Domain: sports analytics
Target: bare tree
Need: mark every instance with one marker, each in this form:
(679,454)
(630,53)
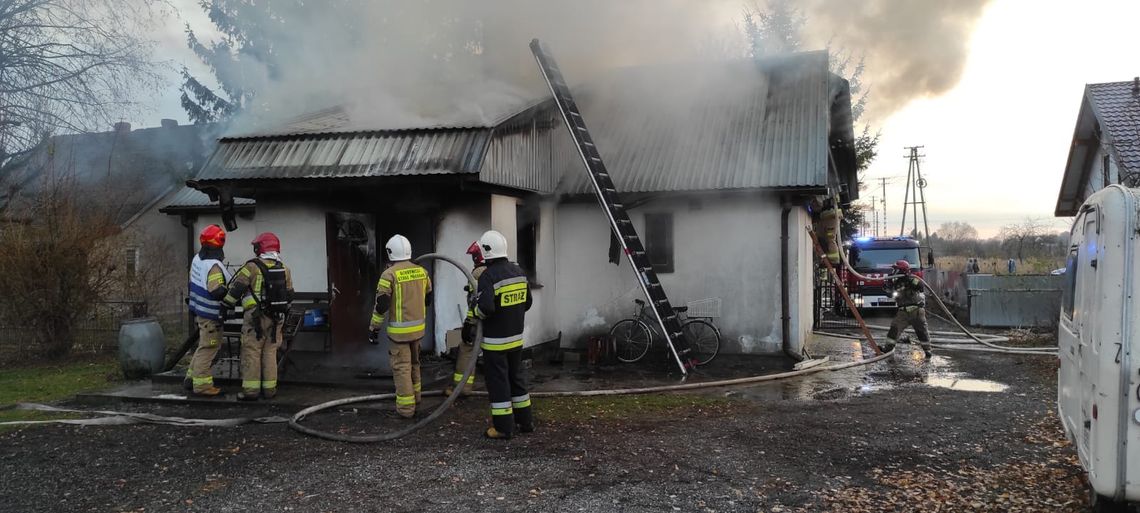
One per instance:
(1021,236)
(957,231)
(69,66)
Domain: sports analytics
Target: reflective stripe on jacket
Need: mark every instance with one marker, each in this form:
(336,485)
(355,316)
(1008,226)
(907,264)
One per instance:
(504,298)
(408,286)
(206,276)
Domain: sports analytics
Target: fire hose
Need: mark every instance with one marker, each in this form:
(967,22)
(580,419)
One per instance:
(295,421)
(945,343)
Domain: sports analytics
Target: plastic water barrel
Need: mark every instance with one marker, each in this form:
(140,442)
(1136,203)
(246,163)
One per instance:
(142,347)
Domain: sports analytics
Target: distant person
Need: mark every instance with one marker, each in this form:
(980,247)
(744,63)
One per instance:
(264,286)
(975,267)
(1011,266)
(969,265)
(911,299)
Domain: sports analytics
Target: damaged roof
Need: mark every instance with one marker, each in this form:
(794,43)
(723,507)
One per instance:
(349,154)
(728,125)
(192,200)
(1109,119)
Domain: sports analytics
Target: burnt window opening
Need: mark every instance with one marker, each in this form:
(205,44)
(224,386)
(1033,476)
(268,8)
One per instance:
(132,261)
(526,237)
(659,241)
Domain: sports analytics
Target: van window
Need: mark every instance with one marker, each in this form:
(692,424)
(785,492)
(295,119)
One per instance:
(1068,305)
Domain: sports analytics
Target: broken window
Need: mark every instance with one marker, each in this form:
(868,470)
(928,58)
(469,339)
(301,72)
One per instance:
(526,237)
(132,261)
(659,241)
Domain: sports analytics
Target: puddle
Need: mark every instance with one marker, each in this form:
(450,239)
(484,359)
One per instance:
(966,385)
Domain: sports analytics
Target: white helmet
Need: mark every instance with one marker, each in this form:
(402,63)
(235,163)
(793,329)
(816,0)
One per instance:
(493,245)
(399,249)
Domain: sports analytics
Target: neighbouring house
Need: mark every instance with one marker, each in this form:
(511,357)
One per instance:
(717,162)
(1106,144)
(132,174)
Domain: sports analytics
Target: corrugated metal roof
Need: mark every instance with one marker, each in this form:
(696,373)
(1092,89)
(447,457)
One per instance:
(1118,110)
(187,199)
(353,154)
(732,125)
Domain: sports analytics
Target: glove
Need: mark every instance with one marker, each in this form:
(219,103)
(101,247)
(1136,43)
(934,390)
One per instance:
(374,337)
(224,313)
(467,333)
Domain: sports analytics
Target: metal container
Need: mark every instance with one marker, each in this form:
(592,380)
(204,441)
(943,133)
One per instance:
(142,347)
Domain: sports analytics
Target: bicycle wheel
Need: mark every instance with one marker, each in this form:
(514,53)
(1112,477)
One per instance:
(703,338)
(631,340)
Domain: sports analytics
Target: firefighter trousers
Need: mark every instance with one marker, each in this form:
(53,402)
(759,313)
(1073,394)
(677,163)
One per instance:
(462,360)
(405,360)
(506,386)
(915,317)
(259,353)
(202,363)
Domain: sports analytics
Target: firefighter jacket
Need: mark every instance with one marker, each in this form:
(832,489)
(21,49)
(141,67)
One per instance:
(208,277)
(475,273)
(908,291)
(247,284)
(504,298)
(404,290)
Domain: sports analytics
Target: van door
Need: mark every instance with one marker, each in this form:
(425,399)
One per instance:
(1088,330)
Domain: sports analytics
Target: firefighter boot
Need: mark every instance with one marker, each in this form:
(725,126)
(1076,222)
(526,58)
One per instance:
(926,350)
(495,434)
(212,391)
(889,345)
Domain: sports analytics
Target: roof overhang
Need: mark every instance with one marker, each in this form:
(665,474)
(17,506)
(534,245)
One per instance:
(1081,151)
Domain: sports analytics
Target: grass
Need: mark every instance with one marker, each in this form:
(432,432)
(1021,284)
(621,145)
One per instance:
(627,406)
(1033,265)
(46,383)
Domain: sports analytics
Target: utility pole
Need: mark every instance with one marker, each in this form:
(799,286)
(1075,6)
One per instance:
(883,181)
(875,212)
(915,195)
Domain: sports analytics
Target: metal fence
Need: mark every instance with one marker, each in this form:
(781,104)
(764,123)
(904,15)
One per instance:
(1013,301)
(829,312)
(98,331)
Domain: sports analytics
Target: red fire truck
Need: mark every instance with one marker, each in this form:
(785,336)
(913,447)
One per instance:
(873,257)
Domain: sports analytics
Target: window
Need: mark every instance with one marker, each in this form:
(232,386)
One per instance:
(1106,169)
(1068,305)
(659,241)
(131,261)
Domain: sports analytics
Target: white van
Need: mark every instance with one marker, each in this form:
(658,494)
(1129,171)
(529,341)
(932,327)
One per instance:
(1098,386)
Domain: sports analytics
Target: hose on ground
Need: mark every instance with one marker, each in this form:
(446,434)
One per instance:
(296,425)
(295,421)
(953,346)
(949,314)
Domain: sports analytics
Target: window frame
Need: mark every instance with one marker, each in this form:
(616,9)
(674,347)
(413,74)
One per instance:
(663,248)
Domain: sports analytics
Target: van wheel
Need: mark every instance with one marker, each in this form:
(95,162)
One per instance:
(1101,504)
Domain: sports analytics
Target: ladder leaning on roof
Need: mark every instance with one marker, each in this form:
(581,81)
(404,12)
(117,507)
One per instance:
(619,219)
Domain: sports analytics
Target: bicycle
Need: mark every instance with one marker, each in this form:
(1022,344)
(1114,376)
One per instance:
(632,337)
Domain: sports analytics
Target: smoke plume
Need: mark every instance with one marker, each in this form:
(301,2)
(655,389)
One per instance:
(913,48)
(399,64)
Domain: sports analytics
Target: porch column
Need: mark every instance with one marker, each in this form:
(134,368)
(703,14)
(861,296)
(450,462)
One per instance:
(504,219)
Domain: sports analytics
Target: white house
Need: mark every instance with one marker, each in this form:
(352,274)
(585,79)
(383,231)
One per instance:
(1106,144)
(716,162)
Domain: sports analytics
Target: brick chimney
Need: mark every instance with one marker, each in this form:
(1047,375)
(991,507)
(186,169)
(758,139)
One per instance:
(122,127)
(169,123)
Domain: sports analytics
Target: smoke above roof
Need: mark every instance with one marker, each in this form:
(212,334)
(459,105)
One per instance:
(400,64)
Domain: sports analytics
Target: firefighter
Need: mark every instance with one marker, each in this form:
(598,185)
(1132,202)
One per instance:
(467,347)
(208,278)
(404,290)
(264,285)
(907,290)
(502,301)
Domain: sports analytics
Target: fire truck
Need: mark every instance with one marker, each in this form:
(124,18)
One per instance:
(873,257)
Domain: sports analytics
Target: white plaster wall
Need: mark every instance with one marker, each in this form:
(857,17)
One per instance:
(459,227)
(504,219)
(301,229)
(801,260)
(726,247)
(542,321)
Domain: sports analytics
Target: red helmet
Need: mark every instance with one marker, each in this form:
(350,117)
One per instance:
(902,265)
(476,253)
(212,236)
(266,242)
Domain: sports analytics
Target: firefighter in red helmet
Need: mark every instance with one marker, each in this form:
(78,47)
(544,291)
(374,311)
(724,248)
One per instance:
(467,347)
(207,287)
(264,286)
(907,289)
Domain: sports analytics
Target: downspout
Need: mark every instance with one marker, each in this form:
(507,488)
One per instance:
(785,295)
(188,222)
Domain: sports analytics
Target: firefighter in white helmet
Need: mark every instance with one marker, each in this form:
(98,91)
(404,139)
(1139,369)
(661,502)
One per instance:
(402,297)
(502,301)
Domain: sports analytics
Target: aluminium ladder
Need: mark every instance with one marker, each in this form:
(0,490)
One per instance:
(622,226)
